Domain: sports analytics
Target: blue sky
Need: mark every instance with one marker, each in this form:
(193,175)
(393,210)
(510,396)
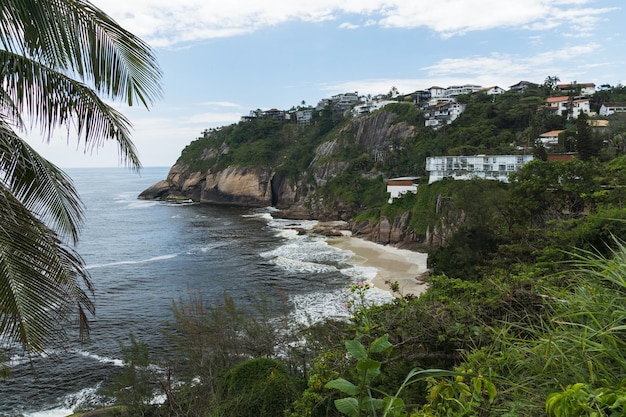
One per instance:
(222,59)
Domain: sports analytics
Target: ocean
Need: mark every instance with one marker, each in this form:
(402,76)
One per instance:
(144,255)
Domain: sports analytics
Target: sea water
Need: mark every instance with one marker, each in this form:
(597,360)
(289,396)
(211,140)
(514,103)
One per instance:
(144,255)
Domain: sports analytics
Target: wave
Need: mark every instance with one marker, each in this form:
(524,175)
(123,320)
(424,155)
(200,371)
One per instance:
(142,261)
(81,399)
(258,215)
(294,265)
(101,359)
(175,203)
(311,254)
(140,204)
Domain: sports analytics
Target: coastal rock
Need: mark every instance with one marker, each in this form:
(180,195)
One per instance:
(233,185)
(384,231)
(239,185)
(331,229)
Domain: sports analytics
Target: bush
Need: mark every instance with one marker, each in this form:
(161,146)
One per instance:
(259,387)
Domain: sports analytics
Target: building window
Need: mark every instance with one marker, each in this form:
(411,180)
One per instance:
(501,167)
(510,167)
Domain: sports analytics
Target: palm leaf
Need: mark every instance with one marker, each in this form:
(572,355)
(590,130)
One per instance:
(41,280)
(50,99)
(40,186)
(57,58)
(77,37)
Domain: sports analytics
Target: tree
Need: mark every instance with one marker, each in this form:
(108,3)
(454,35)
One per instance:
(58,61)
(551,82)
(584,145)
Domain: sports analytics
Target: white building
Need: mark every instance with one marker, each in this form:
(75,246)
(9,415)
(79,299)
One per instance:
(585,89)
(396,187)
(608,109)
(494,90)
(369,107)
(550,138)
(443,113)
(436,91)
(566,106)
(494,167)
(304,117)
(457,90)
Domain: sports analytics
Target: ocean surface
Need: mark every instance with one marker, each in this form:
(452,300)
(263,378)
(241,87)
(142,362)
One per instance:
(143,255)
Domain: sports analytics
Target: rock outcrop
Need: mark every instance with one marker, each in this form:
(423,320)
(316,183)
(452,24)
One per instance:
(263,187)
(254,187)
(395,233)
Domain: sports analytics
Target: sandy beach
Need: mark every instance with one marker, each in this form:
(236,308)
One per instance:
(392,264)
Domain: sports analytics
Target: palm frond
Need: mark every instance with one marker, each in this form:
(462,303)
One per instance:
(41,280)
(40,186)
(52,99)
(77,37)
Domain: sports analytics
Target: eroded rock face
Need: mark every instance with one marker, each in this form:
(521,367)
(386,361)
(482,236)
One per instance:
(179,184)
(238,185)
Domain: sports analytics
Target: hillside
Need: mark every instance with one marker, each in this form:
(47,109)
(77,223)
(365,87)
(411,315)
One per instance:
(524,312)
(337,167)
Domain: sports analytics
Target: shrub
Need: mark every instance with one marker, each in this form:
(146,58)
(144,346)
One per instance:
(259,387)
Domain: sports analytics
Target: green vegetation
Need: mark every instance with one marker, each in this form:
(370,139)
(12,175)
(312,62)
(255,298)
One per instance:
(524,314)
(525,307)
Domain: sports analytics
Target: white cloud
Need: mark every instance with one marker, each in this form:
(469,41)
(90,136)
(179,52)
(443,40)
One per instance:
(167,23)
(220,104)
(503,70)
(499,66)
(347,25)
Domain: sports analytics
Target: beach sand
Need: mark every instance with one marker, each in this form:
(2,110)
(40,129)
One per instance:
(392,264)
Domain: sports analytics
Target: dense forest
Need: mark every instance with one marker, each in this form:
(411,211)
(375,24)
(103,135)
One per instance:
(524,315)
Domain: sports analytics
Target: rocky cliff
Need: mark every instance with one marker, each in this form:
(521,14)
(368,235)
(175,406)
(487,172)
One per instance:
(263,186)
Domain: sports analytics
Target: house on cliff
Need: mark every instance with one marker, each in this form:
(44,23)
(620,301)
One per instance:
(522,86)
(567,106)
(608,109)
(492,167)
(550,138)
(397,187)
(577,89)
(443,113)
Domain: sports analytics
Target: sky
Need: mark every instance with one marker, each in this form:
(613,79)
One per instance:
(221,59)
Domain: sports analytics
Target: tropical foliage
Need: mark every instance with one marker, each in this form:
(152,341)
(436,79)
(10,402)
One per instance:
(59,61)
(523,314)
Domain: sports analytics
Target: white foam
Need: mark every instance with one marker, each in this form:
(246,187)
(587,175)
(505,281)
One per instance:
(83,397)
(305,253)
(294,265)
(142,261)
(55,412)
(101,359)
(258,215)
(140,204)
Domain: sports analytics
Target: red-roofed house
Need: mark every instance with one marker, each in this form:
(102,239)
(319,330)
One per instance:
(586,89)
(396,187)
(550,138)
(566,106)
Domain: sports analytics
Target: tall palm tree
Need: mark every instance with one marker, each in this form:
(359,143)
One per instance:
(59,61)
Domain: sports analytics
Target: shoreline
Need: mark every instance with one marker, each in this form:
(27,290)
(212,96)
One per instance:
(392,264)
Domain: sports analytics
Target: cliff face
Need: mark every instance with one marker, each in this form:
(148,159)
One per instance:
(263,187)
(254,187)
